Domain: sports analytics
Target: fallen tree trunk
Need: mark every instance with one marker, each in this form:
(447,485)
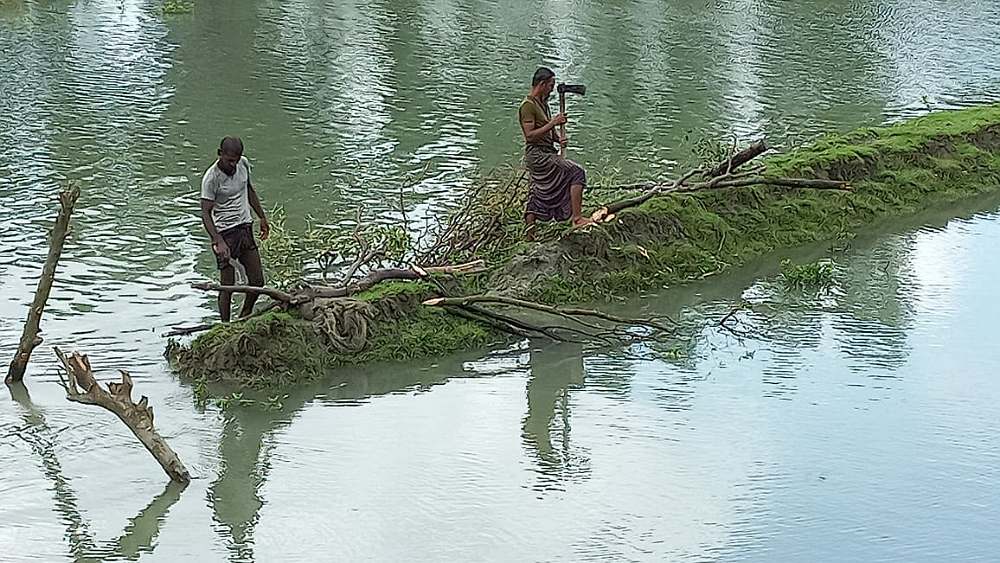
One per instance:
(82,387)
(308,294)
(29,338)
(570,313)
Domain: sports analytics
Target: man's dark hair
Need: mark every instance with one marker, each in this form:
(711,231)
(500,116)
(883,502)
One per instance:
(231,145)
(541,75)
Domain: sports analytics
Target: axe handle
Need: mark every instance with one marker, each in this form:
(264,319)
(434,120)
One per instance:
(562,128)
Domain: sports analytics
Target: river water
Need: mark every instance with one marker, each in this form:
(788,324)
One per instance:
(856,424)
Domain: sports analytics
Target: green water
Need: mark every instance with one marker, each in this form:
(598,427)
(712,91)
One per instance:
(858,424)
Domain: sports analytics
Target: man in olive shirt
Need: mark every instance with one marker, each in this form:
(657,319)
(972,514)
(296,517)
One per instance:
(227,197)
(557,184)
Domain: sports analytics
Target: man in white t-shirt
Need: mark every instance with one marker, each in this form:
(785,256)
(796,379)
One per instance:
(227,197)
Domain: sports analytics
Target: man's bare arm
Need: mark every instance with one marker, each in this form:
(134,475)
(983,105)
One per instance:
(255,201)
(533,134)
(206,218)
(218,243)
(265,227)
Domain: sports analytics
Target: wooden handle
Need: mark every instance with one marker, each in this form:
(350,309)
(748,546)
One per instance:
(562,127)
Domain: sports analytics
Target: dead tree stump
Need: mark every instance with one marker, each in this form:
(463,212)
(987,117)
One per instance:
(29,338)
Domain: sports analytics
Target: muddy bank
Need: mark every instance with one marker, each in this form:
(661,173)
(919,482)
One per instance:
(893,171)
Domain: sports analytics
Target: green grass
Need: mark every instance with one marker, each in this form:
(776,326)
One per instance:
(425,333)
(280,349)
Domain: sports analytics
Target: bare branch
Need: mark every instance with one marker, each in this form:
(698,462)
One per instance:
(275,294)
(184,331)
(608,212)
(568,313)
(738,159)
(83,388)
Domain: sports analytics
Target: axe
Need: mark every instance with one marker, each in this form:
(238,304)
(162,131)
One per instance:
(564,89)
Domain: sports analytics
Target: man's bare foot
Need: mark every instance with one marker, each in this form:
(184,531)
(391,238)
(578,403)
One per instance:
(529,233)
(579,222)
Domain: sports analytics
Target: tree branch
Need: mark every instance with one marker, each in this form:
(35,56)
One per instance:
(472,304)
(83,388)
(275,294)
(565,312)
(739,159)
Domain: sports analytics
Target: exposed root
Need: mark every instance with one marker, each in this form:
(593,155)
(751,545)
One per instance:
(346,323)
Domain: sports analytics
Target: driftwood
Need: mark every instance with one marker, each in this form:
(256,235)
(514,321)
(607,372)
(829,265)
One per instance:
(29,338)
(82,387)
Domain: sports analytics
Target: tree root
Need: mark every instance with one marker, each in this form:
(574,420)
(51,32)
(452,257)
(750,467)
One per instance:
(346,323)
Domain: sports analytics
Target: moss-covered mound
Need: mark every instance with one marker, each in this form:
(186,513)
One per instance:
(895,170)
(278,348)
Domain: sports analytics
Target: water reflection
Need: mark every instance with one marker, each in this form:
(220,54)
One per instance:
(139,535)
(249,434)
(235,493)
(554,372)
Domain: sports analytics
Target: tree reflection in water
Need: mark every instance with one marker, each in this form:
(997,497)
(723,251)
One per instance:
(139,535)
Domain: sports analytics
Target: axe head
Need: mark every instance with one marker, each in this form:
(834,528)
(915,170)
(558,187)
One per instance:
(572,89)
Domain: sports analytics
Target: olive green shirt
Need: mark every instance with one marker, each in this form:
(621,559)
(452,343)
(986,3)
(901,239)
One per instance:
(537,112)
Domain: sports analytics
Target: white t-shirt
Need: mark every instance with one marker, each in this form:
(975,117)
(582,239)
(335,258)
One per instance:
(230,194)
